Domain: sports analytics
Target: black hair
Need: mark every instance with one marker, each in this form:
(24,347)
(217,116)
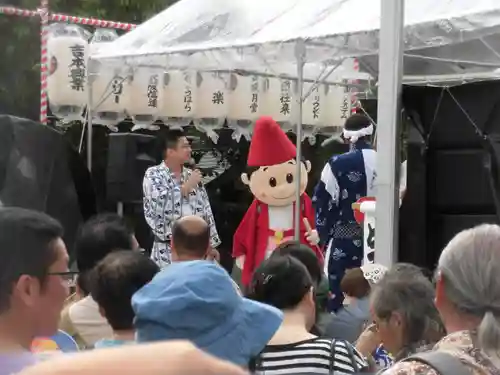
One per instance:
(357,121)
(26,247)
(280,281)
(190,242)
(99,236)
(114,281)
(305,255)
(171,139)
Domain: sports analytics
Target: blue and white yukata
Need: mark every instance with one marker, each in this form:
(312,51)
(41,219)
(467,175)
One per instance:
(344,179)
(164,204)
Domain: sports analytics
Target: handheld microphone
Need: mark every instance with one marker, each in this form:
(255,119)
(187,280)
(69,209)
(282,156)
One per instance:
(191,164)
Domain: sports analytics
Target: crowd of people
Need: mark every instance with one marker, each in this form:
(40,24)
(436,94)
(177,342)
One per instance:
(191,317)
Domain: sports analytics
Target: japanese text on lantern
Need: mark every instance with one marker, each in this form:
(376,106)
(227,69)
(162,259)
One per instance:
(254,105)
(218,97)
(316,102)
(117,88)
(285,98)
(153,91)
(345,107)
(188,93)
(77,68)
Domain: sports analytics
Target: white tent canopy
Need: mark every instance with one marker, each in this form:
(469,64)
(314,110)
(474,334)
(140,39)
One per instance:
(454,37)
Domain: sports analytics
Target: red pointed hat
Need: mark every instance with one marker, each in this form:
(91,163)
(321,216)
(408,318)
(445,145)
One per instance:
(270,145)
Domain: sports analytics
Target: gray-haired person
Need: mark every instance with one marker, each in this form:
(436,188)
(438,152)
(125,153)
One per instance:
(404,317)
(468,300)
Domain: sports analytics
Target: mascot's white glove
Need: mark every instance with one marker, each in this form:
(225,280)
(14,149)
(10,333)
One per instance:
(240,261)
(312,235)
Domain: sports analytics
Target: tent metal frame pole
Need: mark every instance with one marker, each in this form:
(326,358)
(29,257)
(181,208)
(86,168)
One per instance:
(300,55)
(388,132)
(89,118)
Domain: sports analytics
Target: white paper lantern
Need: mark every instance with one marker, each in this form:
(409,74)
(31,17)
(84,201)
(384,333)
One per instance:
(337,106)
(180,96)
(145,92)
(314,105)
(213,96)
(279,100)
(67,79)
(109,93)
(246,97)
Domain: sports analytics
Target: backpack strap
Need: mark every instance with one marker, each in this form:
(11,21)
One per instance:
(332,357)
(255,363)
(350,352)
(443,363)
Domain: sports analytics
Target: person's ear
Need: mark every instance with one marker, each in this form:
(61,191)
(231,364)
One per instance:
(27,288)
(396,319)
(245,179)
(438,299)
(308,166)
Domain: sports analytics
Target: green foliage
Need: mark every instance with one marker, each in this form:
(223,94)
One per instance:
(20,41)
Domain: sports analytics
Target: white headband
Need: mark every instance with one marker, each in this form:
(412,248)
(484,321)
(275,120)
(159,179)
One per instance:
(353,135)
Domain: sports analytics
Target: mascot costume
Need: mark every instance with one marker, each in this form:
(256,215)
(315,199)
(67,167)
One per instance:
(272,179)
(344,180)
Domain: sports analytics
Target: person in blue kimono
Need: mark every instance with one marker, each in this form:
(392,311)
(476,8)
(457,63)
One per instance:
(344,179)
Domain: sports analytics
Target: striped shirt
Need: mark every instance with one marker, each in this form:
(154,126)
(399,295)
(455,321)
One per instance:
(313,356)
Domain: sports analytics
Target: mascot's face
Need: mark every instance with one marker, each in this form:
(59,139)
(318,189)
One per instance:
(276,185)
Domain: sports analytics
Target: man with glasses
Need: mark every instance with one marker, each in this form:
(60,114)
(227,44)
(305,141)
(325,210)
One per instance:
(33,283)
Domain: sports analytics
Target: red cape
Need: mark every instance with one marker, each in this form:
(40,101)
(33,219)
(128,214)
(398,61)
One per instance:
(252,236)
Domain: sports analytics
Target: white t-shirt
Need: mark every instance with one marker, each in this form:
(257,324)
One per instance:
(88,321)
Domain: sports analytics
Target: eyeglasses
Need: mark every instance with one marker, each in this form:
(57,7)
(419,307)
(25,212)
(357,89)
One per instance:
(68,276)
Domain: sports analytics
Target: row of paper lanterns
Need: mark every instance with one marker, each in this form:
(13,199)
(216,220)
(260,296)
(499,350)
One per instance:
(147,95)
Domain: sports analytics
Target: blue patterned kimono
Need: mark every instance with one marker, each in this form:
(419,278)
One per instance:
(344,179)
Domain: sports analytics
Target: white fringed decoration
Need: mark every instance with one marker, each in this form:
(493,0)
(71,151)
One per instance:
(145,98)
(279,100)
(180,98)
(68,53)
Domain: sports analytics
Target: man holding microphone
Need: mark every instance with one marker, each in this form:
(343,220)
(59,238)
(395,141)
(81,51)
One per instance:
(172,191)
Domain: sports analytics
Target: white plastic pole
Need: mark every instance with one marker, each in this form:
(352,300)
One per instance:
(389,118)
(300,54)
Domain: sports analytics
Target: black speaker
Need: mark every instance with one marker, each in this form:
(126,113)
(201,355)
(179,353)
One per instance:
(448,226)
(459,181)
(129,156)
(458,163)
